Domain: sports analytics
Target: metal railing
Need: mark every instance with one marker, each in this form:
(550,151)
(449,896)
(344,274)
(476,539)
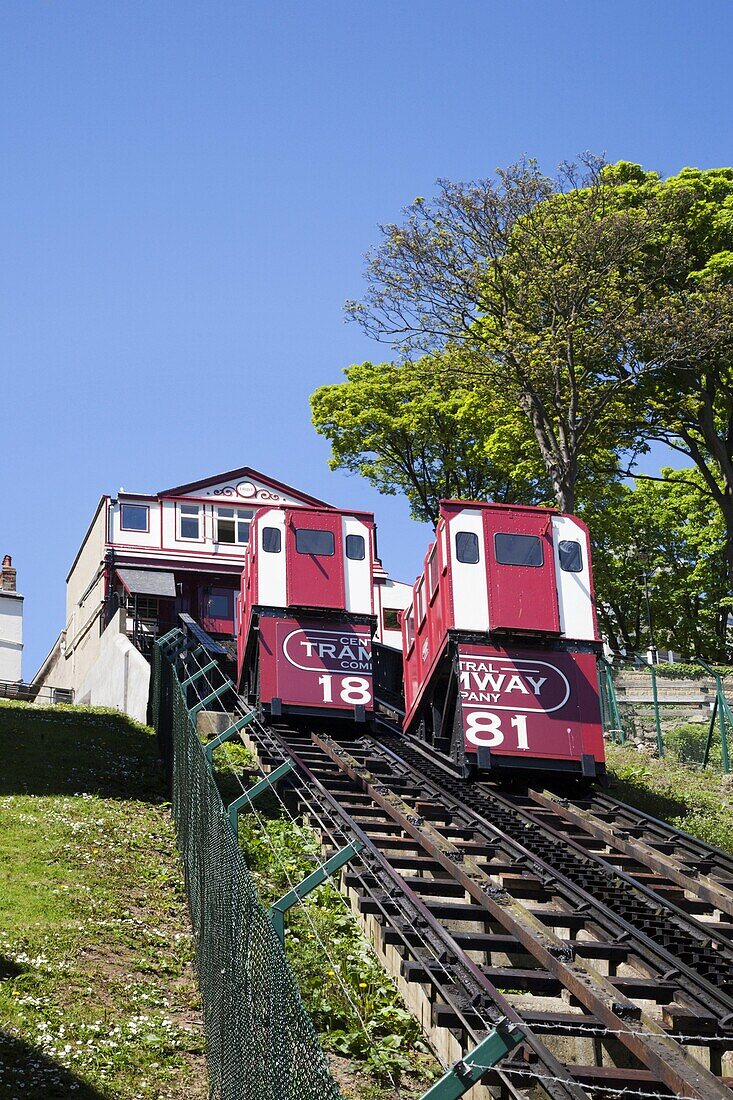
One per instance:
(706,747)
(32,693)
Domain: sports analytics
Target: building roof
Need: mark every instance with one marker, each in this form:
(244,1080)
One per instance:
(148,582)
(243,472)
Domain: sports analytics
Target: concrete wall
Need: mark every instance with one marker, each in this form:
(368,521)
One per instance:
(120,677)
(11,636)
(85,600)
(55,672)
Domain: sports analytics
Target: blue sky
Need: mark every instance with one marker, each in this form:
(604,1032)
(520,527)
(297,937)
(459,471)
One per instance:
(187,190)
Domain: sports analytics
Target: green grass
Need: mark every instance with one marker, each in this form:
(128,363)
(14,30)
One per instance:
(700,802)
(97,994)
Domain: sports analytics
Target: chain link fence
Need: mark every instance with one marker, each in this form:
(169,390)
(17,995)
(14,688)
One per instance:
(260,1041)
(681,711)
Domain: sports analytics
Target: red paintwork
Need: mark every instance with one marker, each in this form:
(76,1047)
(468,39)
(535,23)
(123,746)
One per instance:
(521,597)
(314,580)
(530,702)
(315,664)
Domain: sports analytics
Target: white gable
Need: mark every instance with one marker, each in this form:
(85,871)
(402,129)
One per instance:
(246,490)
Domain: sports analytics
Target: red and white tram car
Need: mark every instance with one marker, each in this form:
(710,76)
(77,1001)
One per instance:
(306,612)
(500,642)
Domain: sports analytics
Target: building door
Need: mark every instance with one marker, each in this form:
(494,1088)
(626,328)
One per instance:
(218,610)
(315,565)
(521,571)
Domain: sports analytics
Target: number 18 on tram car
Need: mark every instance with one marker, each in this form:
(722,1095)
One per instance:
(501,641)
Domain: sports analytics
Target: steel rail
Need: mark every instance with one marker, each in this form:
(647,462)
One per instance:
(404,911)
(666,925)
(662,832)
(701,885)
(670,1064)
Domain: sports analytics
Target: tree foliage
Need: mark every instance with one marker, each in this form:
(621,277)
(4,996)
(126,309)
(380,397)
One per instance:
(539,282)
(686,326)
(668,537)
(565,324)
(419,430)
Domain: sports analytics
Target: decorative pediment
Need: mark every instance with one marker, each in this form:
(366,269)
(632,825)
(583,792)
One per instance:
(246,486)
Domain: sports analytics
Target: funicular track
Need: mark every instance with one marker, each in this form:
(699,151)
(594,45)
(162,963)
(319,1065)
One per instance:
(476,923)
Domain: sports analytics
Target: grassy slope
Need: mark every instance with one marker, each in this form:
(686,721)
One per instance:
(700,802)
(97,994)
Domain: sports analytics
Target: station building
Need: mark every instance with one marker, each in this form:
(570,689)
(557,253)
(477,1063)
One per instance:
(146,558)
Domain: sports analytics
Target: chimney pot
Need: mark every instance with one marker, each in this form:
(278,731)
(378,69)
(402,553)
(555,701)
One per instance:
(7,575)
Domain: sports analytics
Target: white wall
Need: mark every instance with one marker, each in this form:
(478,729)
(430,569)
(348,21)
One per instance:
(120,677)
(11,636)
(85,599)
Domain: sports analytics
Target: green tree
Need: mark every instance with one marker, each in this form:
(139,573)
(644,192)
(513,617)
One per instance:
(539,282)
(668,536)
(420,430)
(686,326)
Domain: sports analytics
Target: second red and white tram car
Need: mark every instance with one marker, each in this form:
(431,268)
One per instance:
(306,612)
(500,642)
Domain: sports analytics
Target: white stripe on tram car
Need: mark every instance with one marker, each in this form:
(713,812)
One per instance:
(470,579)
(358,595)
(272,565)
(572,572)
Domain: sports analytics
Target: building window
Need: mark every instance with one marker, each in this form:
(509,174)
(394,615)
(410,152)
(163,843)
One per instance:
(232,525)
(219,606)
(433,570)
(467,547)
(519,550)
(391,618)
(134,517)
(189,521)
(571,556)
(320,543)
(271,540)
(355,547)
(420,602)
(144,607)
(410,625)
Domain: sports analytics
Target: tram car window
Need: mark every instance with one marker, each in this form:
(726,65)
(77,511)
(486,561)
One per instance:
(500,662)
(306,613)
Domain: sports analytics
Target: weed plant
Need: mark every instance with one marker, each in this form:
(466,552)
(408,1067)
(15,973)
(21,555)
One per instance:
(353,1002)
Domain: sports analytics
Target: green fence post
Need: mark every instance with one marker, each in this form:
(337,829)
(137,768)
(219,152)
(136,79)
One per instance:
(723,710)
(198,674)
(287,901)
(616,728)
(472,1067)
(254,792)
(215,694)
(226,734)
